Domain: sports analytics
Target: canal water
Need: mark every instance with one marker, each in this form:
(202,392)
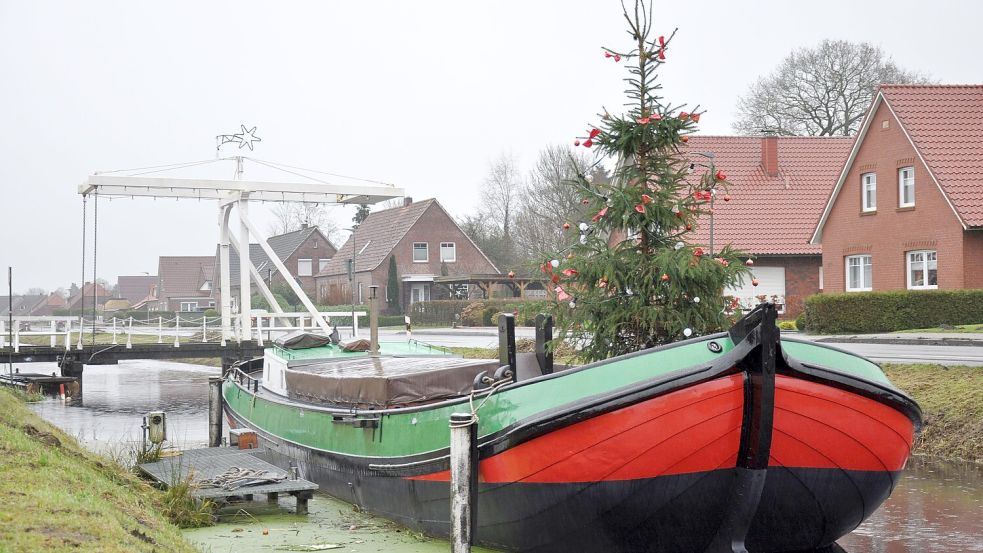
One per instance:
(937,507)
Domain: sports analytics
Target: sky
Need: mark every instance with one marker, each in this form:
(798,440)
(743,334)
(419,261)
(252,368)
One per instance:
(424,95)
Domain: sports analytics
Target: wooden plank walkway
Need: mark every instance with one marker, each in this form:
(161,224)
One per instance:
(210,462)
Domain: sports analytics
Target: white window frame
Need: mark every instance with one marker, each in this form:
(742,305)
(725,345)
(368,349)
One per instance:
(426,250)
(864,286)
(192,304)
(868,180)
(902,183)
(310,267)
(322,263)
(453,248)
(925,261)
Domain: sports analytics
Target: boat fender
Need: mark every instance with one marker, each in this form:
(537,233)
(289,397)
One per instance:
(503,373)
(715,347)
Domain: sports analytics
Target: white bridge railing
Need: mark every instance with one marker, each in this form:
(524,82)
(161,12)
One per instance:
(71,331)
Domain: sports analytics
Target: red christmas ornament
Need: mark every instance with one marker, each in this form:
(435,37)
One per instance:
(607,54)
(754,282)
(576,142)
(662,47)
(640,208)
(749,263)
(594,133)
(721,175)
(726,197)
(511,274)
(683,116)
(679,214)
(684,139)
(588,143)
(665,277)
(689,227)
(695,117)
(566,226)
(585,201)
(698,195)
(662,53)
(555,278)
(646,199)
(570,272)
(600,214)
(655,117)
(698,252)
(617,58)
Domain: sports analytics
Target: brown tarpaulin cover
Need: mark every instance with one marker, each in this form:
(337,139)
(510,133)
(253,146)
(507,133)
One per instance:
(300,339)
(384,381)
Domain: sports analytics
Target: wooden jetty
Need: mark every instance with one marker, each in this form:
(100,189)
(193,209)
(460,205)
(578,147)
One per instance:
(208,463)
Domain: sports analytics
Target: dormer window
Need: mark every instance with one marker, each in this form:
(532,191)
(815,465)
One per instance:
(906,187)
(868,187)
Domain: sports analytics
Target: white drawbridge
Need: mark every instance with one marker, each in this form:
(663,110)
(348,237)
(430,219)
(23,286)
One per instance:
(238,194)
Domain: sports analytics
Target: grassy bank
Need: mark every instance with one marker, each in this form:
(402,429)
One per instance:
(951,399)
(56,496)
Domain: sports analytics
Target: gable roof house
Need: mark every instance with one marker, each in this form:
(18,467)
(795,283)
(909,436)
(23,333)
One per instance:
(426,243)
(134,288)
(304,252)
(22,305)
(907,209)
(84,296)
(777,186)
(184,283)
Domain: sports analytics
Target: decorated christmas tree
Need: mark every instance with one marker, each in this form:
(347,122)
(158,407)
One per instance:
(632,279)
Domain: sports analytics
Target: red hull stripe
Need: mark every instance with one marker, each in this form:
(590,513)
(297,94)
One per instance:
(817,426)
(696,429)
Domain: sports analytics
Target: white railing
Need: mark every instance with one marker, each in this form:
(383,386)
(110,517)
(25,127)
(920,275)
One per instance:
(71,330)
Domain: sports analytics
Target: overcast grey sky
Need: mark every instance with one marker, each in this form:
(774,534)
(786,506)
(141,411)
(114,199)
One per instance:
(420,94)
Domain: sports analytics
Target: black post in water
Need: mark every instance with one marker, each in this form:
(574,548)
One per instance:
(506,340)
(544,333)
(756,431)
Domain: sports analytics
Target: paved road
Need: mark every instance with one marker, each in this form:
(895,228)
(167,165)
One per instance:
(882,353)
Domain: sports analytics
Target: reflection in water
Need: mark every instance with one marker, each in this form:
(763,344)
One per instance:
(934,509)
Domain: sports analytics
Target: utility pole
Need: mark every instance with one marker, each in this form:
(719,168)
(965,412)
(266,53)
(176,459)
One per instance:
(10,318)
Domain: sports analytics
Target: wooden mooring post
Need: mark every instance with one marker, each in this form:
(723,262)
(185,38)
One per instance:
(215,411)
(464,481)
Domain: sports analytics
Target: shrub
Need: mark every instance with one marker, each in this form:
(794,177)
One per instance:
(438,311)
(864,312)
(801,323)
(787,325)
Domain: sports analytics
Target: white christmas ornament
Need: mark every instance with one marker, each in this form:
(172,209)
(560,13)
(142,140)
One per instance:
(687,332)
(679,245)
(555,263)
(573,304)
(583,227)
(583,239)
(696,299)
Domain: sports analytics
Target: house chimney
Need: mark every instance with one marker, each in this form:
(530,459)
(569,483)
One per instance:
(303,226)
(407,201)
(769,155)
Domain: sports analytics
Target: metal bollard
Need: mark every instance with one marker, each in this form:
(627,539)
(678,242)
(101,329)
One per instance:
(464,481)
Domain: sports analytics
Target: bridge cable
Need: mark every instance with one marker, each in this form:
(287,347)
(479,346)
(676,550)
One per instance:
(95,244)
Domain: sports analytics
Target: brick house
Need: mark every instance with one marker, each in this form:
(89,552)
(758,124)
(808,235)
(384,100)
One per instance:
(907,209)
(777,189)
(304,252)
(134,288)
(426,243)
(85,295)
(184,283)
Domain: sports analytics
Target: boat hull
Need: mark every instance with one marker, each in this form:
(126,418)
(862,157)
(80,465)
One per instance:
(751,446)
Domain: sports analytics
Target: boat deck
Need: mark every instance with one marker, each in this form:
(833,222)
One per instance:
(208,463)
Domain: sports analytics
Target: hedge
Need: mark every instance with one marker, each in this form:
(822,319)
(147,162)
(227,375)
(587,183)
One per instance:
(865,312)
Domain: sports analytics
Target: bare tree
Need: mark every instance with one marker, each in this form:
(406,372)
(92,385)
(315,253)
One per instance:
(289,217)
(822,91)
(36,291)
(547,203)
(501,194)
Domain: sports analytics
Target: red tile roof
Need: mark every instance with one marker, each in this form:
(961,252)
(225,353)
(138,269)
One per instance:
(770,215)
(945,123)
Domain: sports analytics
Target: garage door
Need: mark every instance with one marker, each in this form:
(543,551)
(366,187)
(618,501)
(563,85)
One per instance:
(771,283)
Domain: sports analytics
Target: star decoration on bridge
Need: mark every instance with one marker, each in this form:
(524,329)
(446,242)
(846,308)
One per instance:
(247,137)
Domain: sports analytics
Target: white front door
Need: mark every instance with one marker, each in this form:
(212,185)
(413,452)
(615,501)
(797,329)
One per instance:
(419,292)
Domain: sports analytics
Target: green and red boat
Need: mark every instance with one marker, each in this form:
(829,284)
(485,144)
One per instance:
(733,440)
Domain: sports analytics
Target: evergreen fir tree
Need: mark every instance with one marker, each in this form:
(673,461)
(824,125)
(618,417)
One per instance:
(632,280)
(392,286)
